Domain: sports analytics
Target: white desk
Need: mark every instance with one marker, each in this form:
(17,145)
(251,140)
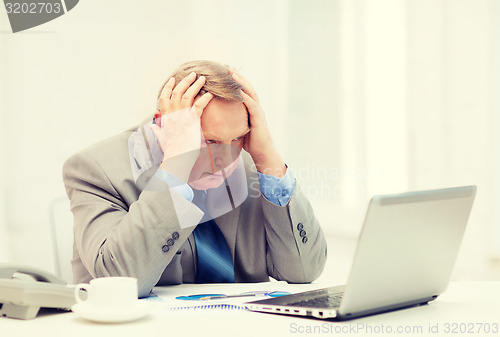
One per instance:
(465,305)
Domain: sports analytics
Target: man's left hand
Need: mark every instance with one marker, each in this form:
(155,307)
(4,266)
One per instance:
(258,142)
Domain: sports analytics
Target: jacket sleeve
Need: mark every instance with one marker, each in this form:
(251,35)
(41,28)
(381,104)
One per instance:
(115,238)
(296,244)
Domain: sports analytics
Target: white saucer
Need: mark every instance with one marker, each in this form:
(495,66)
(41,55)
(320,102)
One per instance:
(112,315)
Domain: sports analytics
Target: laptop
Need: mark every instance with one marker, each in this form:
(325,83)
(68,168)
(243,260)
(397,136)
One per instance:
(405,257)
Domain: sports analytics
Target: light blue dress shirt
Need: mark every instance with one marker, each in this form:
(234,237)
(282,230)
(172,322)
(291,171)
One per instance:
(276,190)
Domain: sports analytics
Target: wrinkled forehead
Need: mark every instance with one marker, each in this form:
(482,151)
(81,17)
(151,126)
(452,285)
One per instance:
(224,119)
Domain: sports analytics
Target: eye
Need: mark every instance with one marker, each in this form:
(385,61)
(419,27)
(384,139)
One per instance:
(209,141)
(236,139)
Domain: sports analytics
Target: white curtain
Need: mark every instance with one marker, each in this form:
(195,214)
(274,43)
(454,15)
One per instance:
(496,123)
(418,102)
(4,239)
(363,96)
(4,236)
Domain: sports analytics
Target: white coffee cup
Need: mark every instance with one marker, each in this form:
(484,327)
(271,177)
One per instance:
(109,292)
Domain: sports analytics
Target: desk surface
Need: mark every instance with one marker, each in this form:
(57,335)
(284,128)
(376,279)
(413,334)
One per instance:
(465,309)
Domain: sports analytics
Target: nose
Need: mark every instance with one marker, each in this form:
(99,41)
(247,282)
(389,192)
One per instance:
(223,155)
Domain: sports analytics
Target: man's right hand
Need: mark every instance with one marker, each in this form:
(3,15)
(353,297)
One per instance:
(179,135)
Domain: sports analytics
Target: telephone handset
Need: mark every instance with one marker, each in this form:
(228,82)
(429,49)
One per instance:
(25,289)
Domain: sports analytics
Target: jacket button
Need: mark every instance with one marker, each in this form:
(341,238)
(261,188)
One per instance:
(170,242)
(165,248)
(175,235)
(300,226)
(302,234)
(304,239)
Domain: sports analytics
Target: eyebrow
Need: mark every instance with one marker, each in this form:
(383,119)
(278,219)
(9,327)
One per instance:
(212,137)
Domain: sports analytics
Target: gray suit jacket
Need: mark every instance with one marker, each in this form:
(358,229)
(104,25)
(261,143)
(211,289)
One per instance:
(121,229)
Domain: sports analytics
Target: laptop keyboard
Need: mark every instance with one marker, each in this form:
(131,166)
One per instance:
(328,301)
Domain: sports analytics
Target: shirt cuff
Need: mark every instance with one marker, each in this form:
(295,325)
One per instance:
(176,184)
(277,190)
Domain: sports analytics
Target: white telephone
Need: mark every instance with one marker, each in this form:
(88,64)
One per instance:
(24,290)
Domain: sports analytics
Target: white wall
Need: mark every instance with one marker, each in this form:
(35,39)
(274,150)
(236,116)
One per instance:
(496,122)
(96,71)
(419,109)
(452,109)
(4,240)
(364,97)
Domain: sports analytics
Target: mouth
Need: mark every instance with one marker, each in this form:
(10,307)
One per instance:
(212,175)
(220,173)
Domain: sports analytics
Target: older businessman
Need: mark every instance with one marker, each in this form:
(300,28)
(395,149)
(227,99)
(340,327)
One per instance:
(197,193)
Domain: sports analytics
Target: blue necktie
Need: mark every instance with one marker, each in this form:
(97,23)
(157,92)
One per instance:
(215,263)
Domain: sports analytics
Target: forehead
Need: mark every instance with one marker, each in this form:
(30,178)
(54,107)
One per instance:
(224,119)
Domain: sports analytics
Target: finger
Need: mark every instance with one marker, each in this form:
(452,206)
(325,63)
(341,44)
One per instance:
(165,94)
(202,102)
(249,102)
(247,86)
(193,90)
(183,85)
(156,130)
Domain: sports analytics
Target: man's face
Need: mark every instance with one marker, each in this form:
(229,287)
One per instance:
(224,125)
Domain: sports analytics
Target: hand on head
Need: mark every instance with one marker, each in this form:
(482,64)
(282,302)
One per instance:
(179,135)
